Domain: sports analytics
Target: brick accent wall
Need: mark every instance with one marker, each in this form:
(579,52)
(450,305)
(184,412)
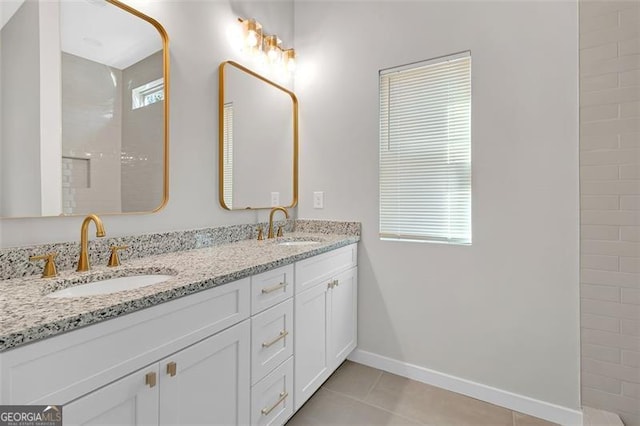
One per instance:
(610,206)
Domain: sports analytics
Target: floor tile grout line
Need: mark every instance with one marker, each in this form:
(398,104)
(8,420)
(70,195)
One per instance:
(375,406)
(375,383)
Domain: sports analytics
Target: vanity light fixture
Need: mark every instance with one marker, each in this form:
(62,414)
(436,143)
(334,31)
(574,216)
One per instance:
(266,48)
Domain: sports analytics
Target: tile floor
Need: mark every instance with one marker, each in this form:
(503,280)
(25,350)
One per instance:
(359,395)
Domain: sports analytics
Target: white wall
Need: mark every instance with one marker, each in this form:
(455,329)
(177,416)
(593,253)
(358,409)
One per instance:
(503,312)
(20,62)
(198,32)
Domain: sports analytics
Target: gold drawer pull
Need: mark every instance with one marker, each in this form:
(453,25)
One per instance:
(283,396)
(333,283)
(150,379)
(282,334)
(274,288)
(172,368)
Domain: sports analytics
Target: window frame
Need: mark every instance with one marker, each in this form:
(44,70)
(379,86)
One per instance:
(388,221)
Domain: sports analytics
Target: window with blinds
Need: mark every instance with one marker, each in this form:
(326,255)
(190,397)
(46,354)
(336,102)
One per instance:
(227,143)
(425,151)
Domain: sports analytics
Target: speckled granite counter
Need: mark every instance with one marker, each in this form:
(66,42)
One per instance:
(28,315)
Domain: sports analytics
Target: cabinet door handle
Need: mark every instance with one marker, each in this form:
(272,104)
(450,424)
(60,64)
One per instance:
(336,283)
(333,283)
(172,368)
(150,379)
(283,396)
(274,288)
(282,334)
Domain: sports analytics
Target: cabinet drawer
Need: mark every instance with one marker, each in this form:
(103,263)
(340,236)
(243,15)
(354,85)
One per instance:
(314,270)
(272,397)
(270,288)
(78,362)
(271,339)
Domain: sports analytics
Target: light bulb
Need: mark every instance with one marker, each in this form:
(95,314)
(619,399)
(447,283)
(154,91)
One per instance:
(290,60)
(252,39)
(272,47)
(252,35)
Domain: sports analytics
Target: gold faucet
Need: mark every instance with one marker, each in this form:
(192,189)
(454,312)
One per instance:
(273,210)
(83,262)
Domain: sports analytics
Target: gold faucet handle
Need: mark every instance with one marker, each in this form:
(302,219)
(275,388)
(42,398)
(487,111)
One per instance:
(260,234)
(114,259)
(280,233)
(50,269)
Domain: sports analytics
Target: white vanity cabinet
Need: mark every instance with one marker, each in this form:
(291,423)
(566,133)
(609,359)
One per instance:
(248,352)
(186,361)
(325,317)
(203,384)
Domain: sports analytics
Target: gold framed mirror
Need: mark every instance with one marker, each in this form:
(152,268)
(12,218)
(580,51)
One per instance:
(84,87)
(257,141)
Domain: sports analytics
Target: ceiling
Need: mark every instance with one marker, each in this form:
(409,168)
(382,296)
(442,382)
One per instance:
(102,32)
(99,31)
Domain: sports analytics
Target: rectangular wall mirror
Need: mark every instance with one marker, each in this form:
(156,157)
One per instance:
(258,141)
(84,109)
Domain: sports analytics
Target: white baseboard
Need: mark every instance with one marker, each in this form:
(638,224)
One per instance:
(510,400)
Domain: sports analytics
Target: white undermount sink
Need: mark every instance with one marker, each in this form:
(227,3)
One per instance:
(298,243)
(111,285)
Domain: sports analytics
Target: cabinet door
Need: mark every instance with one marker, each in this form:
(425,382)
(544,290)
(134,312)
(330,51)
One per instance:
(128,401)
(343,333)
(208,383)
(310,343)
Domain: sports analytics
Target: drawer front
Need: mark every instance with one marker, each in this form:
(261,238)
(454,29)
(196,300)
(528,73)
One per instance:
(78,362)
(314,270)
(272,397)
(270,288)
(271,339)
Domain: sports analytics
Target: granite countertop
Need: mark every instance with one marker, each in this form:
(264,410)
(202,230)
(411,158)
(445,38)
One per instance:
(29,315)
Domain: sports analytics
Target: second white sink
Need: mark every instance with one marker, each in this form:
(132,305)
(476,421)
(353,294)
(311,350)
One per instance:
(112,285)
(298,243)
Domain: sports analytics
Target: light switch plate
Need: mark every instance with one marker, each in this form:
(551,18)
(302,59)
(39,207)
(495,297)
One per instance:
(275,199)
(318,200)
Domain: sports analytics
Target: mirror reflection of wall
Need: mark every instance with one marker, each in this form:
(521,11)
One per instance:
(258,143)
(95,104)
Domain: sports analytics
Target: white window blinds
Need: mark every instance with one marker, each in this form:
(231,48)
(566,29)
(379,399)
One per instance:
(425,151)
(227,190)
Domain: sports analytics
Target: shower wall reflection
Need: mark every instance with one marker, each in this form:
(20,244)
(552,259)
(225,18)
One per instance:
(111,158)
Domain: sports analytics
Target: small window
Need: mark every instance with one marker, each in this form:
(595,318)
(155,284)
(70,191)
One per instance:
(147,94)
(425,151)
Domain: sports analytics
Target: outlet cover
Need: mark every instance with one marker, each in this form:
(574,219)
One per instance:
(275,199)
(318,200)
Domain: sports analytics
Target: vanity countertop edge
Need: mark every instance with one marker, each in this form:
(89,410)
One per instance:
(28,315)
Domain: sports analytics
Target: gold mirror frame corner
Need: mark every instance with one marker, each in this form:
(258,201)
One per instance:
(221,93)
